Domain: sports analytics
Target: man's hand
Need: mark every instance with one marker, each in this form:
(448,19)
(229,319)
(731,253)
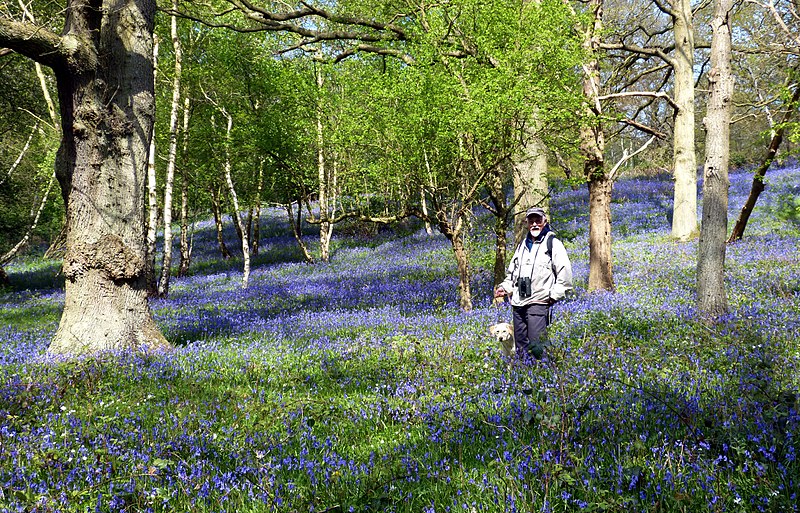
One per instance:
(500,292)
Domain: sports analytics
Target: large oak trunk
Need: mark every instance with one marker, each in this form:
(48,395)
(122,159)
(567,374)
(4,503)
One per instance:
(107,120)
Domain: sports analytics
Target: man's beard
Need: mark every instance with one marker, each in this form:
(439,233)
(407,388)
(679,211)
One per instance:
(535,232)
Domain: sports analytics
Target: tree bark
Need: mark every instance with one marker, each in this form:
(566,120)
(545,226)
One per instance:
(712,300)
(462,262)
(758,176)
(325,176)
(104,71)
(684,159)
(601,276)
(297,231)
(235,200)
(530,179)
(216,208)
(185,241)
(152,201)
(166,266)
(256,239)
(501,211)
(592,136)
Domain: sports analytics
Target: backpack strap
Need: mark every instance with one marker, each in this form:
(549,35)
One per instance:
(549,252)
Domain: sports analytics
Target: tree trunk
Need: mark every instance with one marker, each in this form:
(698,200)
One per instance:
(107,113)
(712,301)
(501,212)
(530,180)
(599,183)
(186,247)
(501,241)
(216,208)
(601,276)
(758,176)
(256,240)
(431,186)
(324,175)
(4,277)
(152,201)
(296,230)
(684,159)
(235,200)
(166,267)
(462,261)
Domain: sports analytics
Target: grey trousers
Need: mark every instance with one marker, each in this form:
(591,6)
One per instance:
(530,329)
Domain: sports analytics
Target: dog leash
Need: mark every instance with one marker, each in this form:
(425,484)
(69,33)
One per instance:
(498,301)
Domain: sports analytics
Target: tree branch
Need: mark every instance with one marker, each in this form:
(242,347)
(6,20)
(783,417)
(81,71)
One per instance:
(649,51)
(644,128)
(32,41)
(626,157)
(649,94)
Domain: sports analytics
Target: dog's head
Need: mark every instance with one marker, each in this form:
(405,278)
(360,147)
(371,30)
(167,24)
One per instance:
(504,333)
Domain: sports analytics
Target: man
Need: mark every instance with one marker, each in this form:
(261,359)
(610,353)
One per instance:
(539,274)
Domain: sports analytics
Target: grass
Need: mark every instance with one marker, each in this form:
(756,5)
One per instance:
(358,385)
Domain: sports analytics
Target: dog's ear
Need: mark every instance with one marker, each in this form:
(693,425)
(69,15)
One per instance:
(494,329)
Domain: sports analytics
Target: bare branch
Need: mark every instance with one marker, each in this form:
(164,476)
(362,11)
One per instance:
(626,157)
(22,242)
(21,154)
(630,94)
(644,128)
(649,51)
(666,9)
(363,47)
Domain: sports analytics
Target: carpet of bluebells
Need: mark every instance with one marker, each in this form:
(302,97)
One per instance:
(358,384)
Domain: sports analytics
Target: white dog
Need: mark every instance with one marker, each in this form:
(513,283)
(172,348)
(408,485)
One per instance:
(504,333)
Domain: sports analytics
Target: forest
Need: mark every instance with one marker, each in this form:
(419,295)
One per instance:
(248,252)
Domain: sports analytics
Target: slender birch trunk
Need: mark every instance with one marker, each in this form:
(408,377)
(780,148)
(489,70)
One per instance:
(297,230)
(235,200)
(325,227)
(185,241)
(684,159)
(52,112)
(256,240)
(431,185)
(166,267)
(216,208)
(152,200)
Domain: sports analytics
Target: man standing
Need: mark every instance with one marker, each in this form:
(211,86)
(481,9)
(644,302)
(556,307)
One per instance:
(539,274)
